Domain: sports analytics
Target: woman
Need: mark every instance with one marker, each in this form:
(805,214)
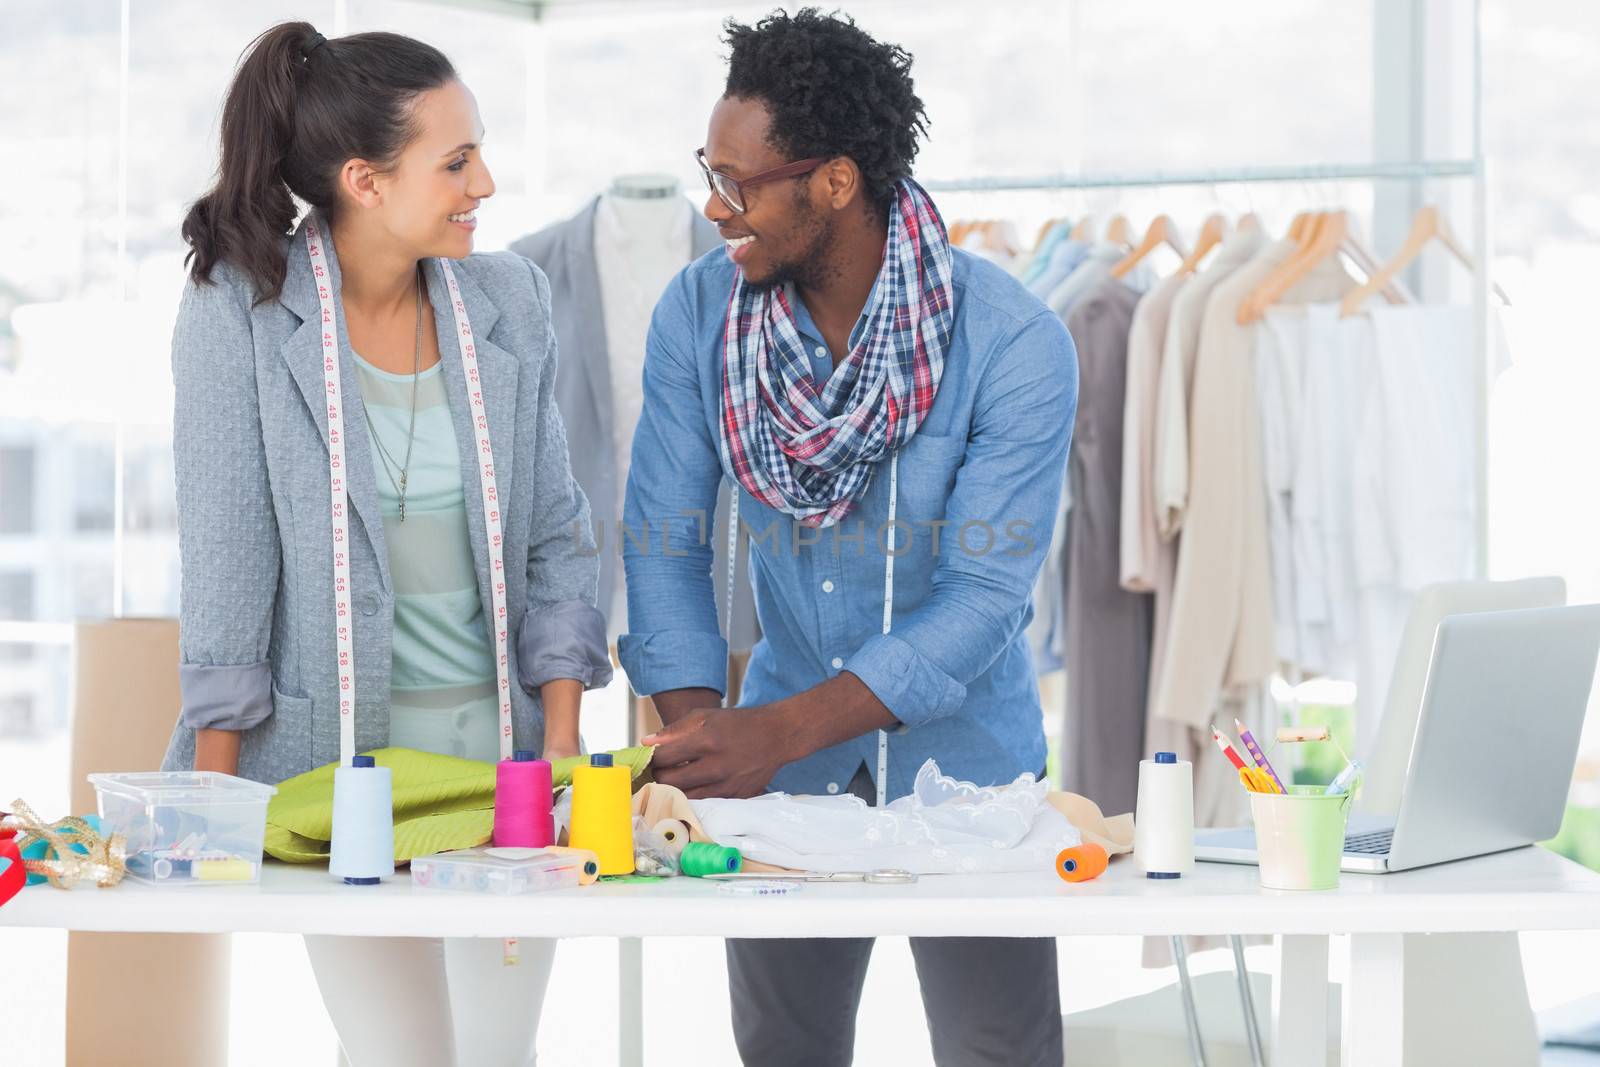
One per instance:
(454,450)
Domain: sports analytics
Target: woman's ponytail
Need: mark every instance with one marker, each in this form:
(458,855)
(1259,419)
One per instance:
(245,215)
(299,108)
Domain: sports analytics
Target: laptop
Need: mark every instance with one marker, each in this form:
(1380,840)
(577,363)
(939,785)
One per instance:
(1495,746)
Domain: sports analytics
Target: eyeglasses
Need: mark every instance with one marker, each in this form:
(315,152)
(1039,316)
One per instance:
(731,190)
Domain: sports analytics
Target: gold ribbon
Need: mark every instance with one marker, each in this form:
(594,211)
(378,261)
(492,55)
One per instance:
(64,866)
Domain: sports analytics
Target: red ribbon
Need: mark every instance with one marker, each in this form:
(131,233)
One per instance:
(15,876)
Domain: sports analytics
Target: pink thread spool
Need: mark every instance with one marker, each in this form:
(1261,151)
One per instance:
(522,803)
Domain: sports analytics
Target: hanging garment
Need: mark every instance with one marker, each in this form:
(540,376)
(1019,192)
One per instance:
(1293,445)
(1107,627)
(1415,493)
(1170,480)
(1338,392)
(1220,630)
(586,397)
(1141,540)
(1047,633)
(1221,627)
(1064,258)
(1094,268)
(1171,466)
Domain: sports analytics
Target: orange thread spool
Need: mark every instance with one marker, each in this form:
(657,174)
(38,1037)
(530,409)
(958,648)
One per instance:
(1081,862)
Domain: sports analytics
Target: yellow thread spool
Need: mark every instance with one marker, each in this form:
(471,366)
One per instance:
(602,813)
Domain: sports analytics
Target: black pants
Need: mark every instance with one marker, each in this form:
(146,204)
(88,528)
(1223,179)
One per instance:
(988,1000)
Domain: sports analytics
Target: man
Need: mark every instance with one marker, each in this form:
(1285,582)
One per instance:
(873,396)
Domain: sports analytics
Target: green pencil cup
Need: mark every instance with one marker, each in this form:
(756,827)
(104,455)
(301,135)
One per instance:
(1299,837)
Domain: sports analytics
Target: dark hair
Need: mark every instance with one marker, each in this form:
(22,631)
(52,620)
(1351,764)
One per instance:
(299,108)
(832,91)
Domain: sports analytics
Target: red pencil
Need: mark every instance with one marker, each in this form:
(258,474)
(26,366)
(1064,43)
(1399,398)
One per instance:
(1227,749)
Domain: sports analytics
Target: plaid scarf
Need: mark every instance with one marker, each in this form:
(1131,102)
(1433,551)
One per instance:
(810,453)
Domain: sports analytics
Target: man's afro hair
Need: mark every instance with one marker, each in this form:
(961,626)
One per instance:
(832,91)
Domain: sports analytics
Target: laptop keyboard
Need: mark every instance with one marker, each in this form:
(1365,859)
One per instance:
(1373,844)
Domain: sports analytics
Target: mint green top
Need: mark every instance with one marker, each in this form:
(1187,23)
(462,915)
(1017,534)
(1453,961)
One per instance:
(442,687)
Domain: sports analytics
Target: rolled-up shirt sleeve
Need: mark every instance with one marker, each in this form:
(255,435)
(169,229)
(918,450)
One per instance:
(227,529)
(1011,478)
(563,634)
(673,639)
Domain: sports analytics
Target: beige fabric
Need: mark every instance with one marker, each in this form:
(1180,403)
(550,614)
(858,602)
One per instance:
(1114,834)
(127,700)
(1220,631)
(1170,465)
(1141,540)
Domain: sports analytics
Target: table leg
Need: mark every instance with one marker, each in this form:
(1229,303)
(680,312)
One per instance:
(1300,1002)
(630,1002)
(1373,1032)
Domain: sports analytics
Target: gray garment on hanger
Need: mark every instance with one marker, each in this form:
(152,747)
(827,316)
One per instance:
(565,252)
(1107,627)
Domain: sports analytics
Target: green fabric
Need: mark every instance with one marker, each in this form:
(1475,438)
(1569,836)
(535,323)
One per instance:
(441,803)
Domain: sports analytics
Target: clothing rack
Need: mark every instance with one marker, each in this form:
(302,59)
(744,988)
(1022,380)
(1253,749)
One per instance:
(1415,171)
(1474,169)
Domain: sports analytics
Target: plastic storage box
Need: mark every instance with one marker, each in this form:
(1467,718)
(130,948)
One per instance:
(186,828)
(500,871)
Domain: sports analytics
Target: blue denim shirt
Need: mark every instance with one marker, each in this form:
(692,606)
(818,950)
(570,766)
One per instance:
(978,487)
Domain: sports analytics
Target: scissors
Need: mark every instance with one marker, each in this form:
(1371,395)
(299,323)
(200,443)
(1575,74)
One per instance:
(882,876)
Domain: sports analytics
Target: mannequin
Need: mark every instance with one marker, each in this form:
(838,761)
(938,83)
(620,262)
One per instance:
(608,266)
(641,241)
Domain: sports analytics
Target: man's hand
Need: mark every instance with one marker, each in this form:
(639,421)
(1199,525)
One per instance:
(721,752)
(735,752)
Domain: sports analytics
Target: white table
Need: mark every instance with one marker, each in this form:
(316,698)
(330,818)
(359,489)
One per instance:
(1528,889)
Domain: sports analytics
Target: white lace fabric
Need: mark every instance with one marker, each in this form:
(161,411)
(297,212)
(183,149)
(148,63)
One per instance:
(945,826)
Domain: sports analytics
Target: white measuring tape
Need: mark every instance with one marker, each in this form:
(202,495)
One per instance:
(340,512)
(888,595)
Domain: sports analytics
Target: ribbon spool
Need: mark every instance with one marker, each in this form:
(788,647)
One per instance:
(675,832)
(1081,863)
(700,859)
(589,865)
(14,875)
(64,852)
(523,800)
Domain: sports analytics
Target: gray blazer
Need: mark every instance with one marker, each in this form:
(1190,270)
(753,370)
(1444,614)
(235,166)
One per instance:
(255,535)
(565,252)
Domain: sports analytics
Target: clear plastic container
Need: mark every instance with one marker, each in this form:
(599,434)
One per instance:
(186,828)
(501,871)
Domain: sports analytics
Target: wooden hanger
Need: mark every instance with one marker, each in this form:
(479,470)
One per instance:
(1044,231)
(1300,227)
(1212,231)
(1247,222)
(1428,225)
(1161,232)
(1325,241)
(1119,230)
(1084,230)
(1362,256)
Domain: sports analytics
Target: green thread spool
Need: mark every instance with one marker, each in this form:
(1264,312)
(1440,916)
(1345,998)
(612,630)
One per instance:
(700,859)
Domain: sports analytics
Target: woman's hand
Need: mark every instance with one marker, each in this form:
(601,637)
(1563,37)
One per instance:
(554,752)
(561,698)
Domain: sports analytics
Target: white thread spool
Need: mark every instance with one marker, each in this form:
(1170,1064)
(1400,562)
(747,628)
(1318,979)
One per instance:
(1163,821)
(363,823)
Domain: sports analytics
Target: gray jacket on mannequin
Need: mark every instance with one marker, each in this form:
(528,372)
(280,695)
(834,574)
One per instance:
(257,625)
(565,252)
